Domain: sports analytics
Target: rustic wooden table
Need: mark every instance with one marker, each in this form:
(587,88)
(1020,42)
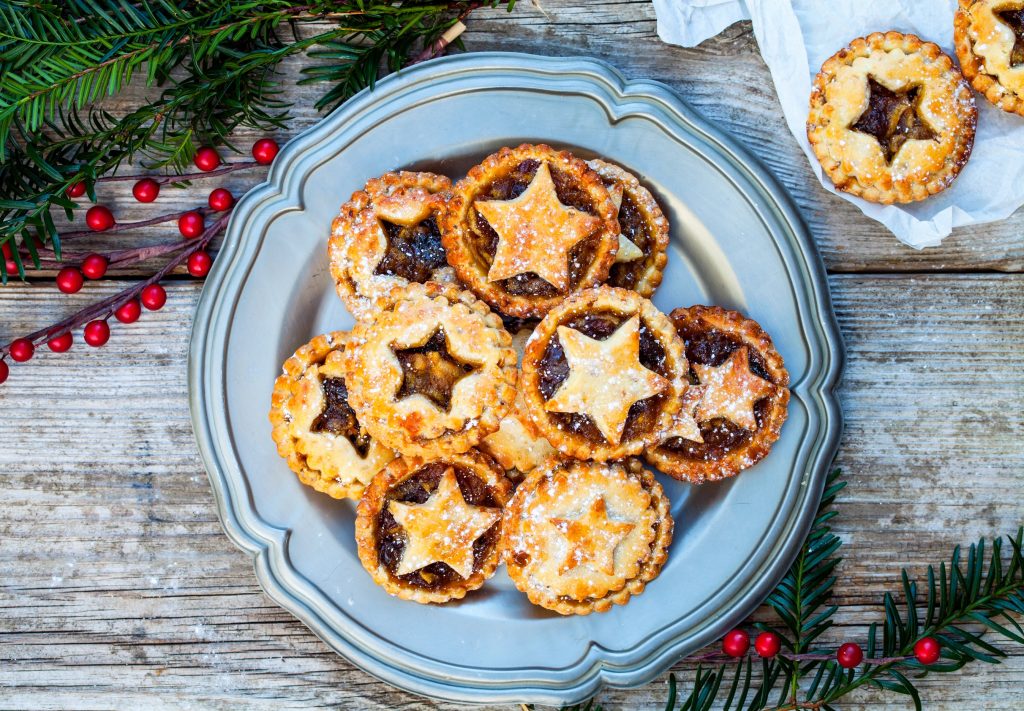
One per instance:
(119,588)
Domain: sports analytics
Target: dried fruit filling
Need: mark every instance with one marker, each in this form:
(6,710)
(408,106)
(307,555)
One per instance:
(416,489)
(893,118)
(338,417)
(634,228)
(413,253)
(431,371)
(1014,19)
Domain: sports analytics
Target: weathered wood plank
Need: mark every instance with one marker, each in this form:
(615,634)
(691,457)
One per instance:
(118,586)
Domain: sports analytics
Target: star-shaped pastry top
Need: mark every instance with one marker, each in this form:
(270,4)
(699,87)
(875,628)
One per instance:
(536,232)
(731,390)
(684,423)
(442,529)
(592,538)
(605,378)
(628,251)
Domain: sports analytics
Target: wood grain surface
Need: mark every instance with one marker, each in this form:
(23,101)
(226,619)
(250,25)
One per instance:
(119,589)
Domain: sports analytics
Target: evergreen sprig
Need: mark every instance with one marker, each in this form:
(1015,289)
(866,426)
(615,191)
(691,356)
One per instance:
(211,64)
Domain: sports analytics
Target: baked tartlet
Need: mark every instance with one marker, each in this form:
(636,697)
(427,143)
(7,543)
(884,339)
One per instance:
(891,119)
(735,409)
(528,226)
(603,373)
(314,427)
(428,530)
(387,236)
(643,231)
(989,38)
(579,537)
(433,373)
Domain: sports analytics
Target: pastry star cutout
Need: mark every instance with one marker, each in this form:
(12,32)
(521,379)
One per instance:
(536,232)
(592,538)
(628,252)
(442,529)
(605,378)
(731,390)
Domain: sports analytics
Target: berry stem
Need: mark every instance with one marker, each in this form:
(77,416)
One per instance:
(720,658)
(181,177)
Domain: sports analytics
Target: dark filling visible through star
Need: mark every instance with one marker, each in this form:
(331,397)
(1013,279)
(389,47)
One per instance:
(431,371)
(417,489)
(721,436)
(512,185)
(338,417)
(1014,19)
(634,228)
(414,253)
(554,370)
(893,118)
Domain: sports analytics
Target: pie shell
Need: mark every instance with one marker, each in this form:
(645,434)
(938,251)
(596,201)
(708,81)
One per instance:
(602,298)
(835,145)
(357,242)
(647,569)
(426,431)
(654,221)
(973,66)
(455,232)
(288,396)
(375,497)
(750,332)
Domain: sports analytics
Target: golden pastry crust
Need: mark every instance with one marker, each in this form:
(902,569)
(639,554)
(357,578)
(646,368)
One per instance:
(432,374)
(445,517)
(579,537)
(640,265)
(991,51)
(603,373)
(387,236)
(757,390)
(560,231)
(891,119)
(315,429)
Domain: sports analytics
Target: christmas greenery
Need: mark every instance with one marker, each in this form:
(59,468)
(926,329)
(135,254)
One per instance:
(210,66)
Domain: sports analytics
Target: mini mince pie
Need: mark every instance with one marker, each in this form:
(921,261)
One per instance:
(528,226)
(579,537)
(314,427)
(990,45)
(732,415)
(643,231)
(603,373)
(434,373)
(387,236)
(892,119)
(429,530)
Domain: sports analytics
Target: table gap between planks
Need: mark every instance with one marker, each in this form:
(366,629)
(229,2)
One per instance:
(119,588)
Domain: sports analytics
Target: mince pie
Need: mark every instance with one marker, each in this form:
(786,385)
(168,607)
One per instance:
(433,373)
(315,428)
(578,537)
(990,46)
(892,119)
(603,373)
(643,231)
(731,416)
(387,236)
(528,226)
(429,530)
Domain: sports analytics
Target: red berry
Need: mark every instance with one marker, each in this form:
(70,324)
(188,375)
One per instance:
(61,343)
(199,263)
(129,311)
(221,199)
(736,643)
(21,350)
(153,297)
(4,371)
(69,280)
(207,158)
(191,225)
(768,644)
(97,333)
(99,218)
(94,266)
(12,268)
(265,150)
(146,190)
(76,190)
(6,248)
(849,655)
(927,650)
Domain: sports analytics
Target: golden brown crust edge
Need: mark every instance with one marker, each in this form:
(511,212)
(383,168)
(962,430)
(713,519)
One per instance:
(974,69)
